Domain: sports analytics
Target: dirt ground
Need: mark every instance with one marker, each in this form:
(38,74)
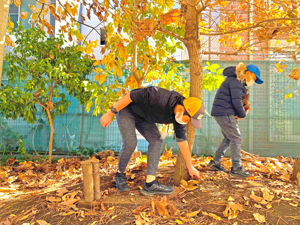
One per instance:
(204,202)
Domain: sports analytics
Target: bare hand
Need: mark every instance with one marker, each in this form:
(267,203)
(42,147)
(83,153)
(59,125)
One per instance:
(194,172)
(238,118)
(106,119)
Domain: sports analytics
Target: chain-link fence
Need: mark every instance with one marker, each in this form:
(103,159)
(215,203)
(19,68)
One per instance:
(271,128)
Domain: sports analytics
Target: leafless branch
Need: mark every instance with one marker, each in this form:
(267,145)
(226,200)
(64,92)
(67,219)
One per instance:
(203,7)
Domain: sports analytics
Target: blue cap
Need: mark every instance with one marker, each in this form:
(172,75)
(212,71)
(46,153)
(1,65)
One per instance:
(254,69)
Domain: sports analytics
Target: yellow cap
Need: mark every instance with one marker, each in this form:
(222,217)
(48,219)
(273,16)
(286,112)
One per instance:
(192,105)
(195,109)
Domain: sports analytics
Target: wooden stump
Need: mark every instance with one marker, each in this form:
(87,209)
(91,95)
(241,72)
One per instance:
(296,169)
(106,153)
(96,176)
(136,155)
(88,184)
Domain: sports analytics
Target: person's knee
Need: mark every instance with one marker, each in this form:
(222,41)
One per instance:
(156,141)
(237,140)
(130,145)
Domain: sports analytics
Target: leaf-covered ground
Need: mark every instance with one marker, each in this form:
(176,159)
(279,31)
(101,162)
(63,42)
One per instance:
(39,193)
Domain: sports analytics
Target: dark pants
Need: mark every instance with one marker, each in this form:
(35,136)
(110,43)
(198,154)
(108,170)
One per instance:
(232,138)
(127,126)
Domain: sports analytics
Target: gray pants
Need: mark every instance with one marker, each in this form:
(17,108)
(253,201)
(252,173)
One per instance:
(127,125)
(232,137)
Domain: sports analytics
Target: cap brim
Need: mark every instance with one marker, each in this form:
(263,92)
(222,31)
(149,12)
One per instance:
(196,123)
(259,80)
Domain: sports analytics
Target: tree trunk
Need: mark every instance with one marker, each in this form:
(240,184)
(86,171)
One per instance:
(4,5)
(296,170)
(195,58)
(51,135)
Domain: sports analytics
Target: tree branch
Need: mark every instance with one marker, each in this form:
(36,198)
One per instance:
(72,19)
(172,34)
(220,53)
(250,27)
(203,6)
(42,105)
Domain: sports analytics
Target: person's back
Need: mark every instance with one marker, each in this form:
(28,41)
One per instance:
(228,98)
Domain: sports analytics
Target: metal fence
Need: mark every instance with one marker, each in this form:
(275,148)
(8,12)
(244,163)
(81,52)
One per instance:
(272,127)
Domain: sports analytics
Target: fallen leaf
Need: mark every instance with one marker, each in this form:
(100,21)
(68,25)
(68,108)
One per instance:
(190,185)
(144,216)
(111,208)
(42,222)
(294,204)
(269,206)
(258,206)
(61,192)
(139,220)
(232,210)
(192,214)
(212,215)
(161,209)
(256,198)
(183,200)
(53,199)
(179,222)
(230,199)
(259,218)
(266,194)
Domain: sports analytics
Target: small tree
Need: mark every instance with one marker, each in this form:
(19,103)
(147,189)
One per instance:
(48,67)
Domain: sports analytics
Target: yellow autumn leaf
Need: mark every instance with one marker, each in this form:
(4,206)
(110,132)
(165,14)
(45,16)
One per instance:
(97,77)
(96,63)
(17,3)
(34,16)
(23,15)
(179,221)
(8,41)
(102,79)
(230,199)
(170,17)
(10,23)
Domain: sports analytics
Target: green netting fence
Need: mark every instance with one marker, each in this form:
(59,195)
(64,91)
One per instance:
(272,127)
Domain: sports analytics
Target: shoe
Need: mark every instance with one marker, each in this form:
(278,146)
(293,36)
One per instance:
(239,172)
(215,167)
(121,182)
(157,188)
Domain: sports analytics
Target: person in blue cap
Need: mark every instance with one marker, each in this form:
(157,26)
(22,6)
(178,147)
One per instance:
(228,109)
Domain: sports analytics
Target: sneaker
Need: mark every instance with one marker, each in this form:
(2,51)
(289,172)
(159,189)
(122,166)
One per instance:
(157,188)
(121,182)
(239,172)
(215,167)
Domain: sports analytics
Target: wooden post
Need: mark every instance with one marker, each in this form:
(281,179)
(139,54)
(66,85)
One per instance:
(296,169)
(96,176)
(88,180)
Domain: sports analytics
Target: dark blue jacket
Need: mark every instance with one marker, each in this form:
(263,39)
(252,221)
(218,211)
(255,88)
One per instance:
(228,100)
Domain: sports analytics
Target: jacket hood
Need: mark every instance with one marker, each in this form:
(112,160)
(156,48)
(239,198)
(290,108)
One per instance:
(229,71)
(175,99)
